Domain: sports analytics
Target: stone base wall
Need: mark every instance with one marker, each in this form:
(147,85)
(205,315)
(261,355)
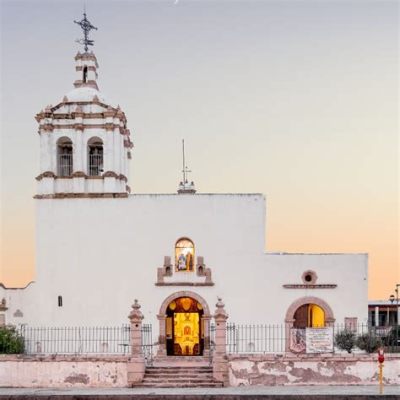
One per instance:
(311,370)
(69,371)
(60,372)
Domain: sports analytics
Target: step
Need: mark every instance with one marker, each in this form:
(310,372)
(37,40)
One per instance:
(185,376)
(177,378)
(180,363)
(179,382)
(180,370)
(179,385)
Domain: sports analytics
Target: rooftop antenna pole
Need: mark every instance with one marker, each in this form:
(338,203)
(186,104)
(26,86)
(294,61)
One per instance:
(185,186)
(183,161)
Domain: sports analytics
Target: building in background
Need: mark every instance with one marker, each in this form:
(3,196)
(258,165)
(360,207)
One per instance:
(382,313)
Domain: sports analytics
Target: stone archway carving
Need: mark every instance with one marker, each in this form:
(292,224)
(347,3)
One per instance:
(289,319)
(163,314)
(329,318)
(183,293)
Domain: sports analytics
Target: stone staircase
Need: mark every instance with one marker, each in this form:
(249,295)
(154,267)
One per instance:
(179,372)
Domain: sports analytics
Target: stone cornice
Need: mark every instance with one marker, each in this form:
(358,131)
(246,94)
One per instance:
(110,174)
(80,83)
(81,174)
(80,196)
(46,174)
(87,57)
(128,144)
(110,112)
(107,127)
(89,68)
(310,286)
(184,283)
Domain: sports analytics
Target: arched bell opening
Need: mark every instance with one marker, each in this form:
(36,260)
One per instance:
(95,156)
(64,157)
(184,325)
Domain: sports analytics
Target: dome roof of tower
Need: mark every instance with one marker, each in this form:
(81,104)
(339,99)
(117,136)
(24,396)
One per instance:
(86,93)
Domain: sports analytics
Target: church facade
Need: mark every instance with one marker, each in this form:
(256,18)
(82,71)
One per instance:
(99,246)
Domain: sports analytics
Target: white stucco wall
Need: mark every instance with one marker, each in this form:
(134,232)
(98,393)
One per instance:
(101,254)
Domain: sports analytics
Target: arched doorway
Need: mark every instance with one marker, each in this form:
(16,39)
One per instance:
(184,325)
(183,331)
(309,311)
(309,316)
(306,312)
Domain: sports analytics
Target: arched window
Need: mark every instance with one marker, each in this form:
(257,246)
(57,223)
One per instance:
(309,316)
(95,157)
(184,255)
(85,69)
(64,157)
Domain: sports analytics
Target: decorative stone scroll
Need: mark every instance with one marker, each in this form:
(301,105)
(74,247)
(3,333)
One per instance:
(167,270)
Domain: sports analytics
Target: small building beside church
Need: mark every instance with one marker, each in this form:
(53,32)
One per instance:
(100,245)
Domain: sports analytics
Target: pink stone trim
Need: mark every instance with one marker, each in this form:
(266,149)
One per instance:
(329,318)
(313,275)
(89,68)
(46,174)
(307,286)
(184,283)
(110,174)
(80,196)
(184,293)
(87,57)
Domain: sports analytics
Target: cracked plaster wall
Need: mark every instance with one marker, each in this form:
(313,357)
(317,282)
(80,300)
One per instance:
(351,370)
(62,373)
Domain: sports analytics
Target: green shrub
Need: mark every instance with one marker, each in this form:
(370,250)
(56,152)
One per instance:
(369,342)
(345,340)
(393,338)
(11,342)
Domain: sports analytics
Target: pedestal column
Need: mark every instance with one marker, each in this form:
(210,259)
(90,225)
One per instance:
(220,360)
(136,364)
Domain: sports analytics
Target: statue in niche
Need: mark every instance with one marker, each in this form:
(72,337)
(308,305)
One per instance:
(182,262)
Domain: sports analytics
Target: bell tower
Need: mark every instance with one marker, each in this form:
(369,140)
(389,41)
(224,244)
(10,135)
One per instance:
(85,145)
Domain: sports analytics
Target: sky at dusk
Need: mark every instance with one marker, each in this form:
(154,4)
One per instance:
(297,100)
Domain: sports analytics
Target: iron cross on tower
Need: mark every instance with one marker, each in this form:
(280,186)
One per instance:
(86,27)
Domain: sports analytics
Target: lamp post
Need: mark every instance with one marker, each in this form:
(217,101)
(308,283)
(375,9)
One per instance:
(392,298)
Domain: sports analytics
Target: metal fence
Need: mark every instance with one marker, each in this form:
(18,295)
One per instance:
(83,340)
(257,339)
(262,339)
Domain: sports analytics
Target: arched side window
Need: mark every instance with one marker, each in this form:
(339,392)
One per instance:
(64,157)
(184,255)
(95,156)
(84,78)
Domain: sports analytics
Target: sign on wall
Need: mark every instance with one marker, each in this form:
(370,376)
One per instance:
(319,340)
